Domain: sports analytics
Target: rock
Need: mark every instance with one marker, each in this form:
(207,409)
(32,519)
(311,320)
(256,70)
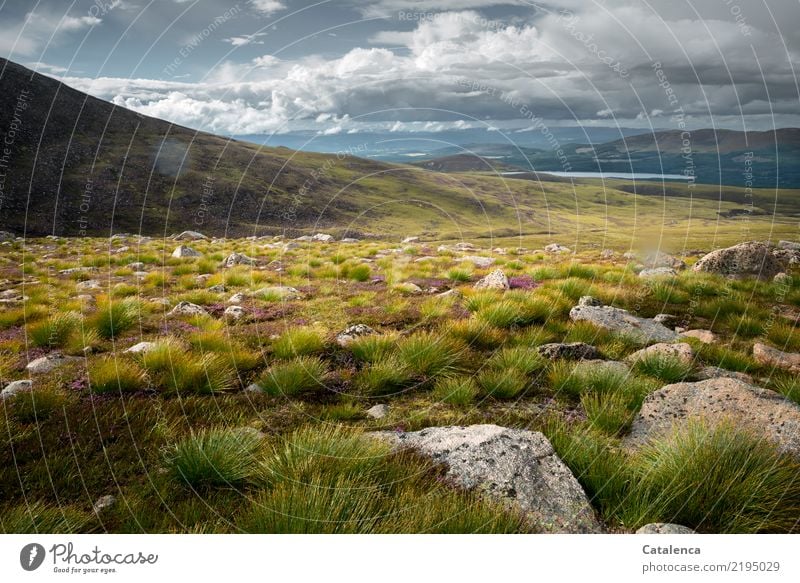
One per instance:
(13,389)
(704,336)
(323,238)
(238,259)
(5,236)
(557,248)
(589,301)
(664,528)
(517,467)
(217,289)
(607,254)
(500,251)
(752,258)
(782,278)
(658,272)
(495,280)
(235,312)
(49,362)
(451,293)
(658,259)
(629,256)
(787,257)
(766,412)
(140,348)
(681,351)
(410,240)
(282,292)
(188,309)
(346,336)
(642,330)
(136,266)
(88,284)
(596,365)
(667,320)
(290,246)
(190,236)
(769,356)
(184,251)
(304,238)
(237,298)
(349,240)
(103,504)
(253,388)
(790,245)
(465,247)
(479,261)
(378,411)
(715,372)
(569,351)
(407,288)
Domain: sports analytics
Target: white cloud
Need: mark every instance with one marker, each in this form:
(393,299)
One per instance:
(267,7)
(28,36)
(246,39)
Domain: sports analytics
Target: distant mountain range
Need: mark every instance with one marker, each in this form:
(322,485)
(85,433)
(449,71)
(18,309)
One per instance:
(766,159)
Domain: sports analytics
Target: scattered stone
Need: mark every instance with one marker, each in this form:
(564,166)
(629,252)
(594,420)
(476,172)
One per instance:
(378,411)
(658,272)
(704,336)
(569,351)
(642,330)
(238,259)
(715,372)
(589,301)
(104,503)
(479,261)
(15,388)
(237,298)
(349,334)
(188,309)
(217,289)
(658,259)
(517,467)
(184,251)
(190,236)
(49,363)
(664,528)
(765,411)
(465,247)
(72,270)
(410,240)
(681,351)
(769,356)
(235,312)
(667,320)
(140,348)
(495,280)
(557,248)
(752,258)
(322,238)
(282,292)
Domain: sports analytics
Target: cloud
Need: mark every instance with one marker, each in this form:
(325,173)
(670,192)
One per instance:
(267,7)
(28,36)
(462,67)
(246,39)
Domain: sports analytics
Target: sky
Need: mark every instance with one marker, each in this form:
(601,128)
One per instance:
(346,66)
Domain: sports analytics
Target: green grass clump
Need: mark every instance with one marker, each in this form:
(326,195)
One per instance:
(55,331)
(719,479)
(373,347)
(298,342)
(476,334)
(522,359)
(304,374)
(609,413)
(784,336)
(502,384)
(215,458)
(239,358)
(459,391)
(429,355)
(787,385)
(459,275)
(171,368)
(359,273)
(744,326)
(666,367)
(384,377)
(37,405)
(41,518)
(116,317)
(110,374)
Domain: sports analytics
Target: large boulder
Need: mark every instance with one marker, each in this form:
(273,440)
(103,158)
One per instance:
(238,259)
(651,272)
(658,259)
(769,356)
(495,280)
(752,258)
(766,412)
(188,309)
(13,389)
(351,333)
(190,236)
(569,351)
(49,363)
(323,238)
(681,351)
(641,330)
(184,251)
(517,467)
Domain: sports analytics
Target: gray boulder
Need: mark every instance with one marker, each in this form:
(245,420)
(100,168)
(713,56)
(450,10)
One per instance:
(49,363)
(495,280)
(349,334)
(764,411)
(187,309)
(238,259)
(378,411)
(657,272)
(235,313)
(323,238)
(752,258)
(104,503)
(6,236)
(557,248)
(569,351)
(641,330)
(769,356)
(658,259)
(184,251)
(790,245)
(664,528)
(681,350)
(190,236)
(519,468)
(15,388)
